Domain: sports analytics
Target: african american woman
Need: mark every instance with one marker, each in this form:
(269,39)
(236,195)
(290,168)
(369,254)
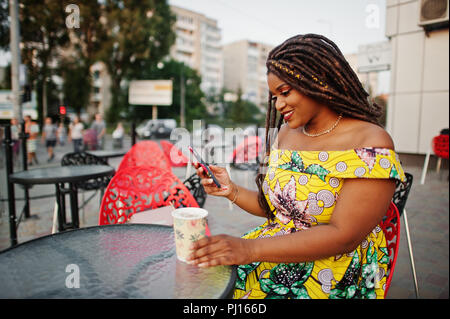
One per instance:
(326,182)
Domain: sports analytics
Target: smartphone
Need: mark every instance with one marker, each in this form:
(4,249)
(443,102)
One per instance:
(205,167)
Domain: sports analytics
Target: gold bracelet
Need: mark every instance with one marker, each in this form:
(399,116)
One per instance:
(235,195)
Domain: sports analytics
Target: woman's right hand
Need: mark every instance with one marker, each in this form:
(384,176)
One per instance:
(221,174)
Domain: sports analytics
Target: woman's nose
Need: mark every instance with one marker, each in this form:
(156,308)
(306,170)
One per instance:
(280,104)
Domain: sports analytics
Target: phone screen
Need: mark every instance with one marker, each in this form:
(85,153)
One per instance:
(204,166)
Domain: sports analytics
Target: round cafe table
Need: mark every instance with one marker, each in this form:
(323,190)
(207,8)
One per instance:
(59,176)
(111,261)
(107,154)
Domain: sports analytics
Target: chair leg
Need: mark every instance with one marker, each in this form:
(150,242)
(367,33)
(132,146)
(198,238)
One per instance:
(411,256)
(83,218)
(425,167)
(55,218)
(438,165)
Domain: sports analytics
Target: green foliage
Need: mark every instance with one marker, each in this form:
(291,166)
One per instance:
(139,34)
(4,24)
(242,112)
(77,85)
(127,35)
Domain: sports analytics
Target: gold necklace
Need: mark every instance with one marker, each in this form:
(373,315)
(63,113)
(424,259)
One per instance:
(324,132)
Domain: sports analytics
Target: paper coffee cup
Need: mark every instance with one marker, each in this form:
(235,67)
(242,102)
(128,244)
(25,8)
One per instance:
(189,225)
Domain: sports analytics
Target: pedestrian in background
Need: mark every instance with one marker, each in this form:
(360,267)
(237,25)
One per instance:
(117,136)
(76,129)
(62,134)
(100,128)
(32,129)
(49,135)
(15,138)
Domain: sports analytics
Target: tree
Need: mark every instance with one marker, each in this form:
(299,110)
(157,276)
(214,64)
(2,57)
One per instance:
(43,33)
(243,111)
(139,35)
(4,24)
(86,41)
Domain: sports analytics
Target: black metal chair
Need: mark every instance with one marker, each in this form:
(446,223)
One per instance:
(196,188)
(83,158)
(400,196)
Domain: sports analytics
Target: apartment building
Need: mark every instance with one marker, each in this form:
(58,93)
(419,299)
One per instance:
(100,99)
(245,69)
(418,105)
(198,45)
(368,79)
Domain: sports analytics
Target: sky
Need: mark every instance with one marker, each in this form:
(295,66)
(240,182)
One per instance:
(349,23)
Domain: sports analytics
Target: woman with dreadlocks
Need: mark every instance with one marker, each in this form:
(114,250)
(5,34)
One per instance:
(326,183)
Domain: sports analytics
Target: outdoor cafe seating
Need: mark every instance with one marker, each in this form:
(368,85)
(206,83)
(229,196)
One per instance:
(145,181)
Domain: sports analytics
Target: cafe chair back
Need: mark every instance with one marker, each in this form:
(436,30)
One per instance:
(400,196)
(174,155)
(391,229)
(83,158)
(145,153)
(138,188)
(96,184)
(439,146)
(245,156)
(196,188)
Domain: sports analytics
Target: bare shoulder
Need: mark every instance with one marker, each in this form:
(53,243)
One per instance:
(365,134)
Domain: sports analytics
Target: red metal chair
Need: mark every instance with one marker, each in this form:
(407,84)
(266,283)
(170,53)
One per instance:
(173,154)
(245,156)
(138,188)
(391,229)
(439,146)
(145,153)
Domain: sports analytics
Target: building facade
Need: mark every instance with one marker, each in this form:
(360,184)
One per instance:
(198,45)
(418,105)
(245,70)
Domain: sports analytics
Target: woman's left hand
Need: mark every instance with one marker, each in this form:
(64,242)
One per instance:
(221,250)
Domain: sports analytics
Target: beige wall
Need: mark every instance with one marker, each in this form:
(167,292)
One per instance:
(418,106)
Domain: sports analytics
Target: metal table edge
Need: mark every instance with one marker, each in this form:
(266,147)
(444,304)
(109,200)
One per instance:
(69,179)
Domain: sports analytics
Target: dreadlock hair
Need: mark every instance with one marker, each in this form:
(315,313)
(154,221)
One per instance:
(313,65)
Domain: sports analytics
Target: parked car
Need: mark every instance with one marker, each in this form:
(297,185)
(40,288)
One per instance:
(156,128)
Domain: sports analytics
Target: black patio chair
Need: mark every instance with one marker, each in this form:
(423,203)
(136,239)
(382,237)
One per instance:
(196,188)
(83,158)
(400,196)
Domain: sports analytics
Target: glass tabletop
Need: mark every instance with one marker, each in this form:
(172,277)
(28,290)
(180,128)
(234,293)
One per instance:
(61,174)
(112,261)
(107,153)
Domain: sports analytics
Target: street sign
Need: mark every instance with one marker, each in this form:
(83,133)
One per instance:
(150,92)
(7,107)
(374,57)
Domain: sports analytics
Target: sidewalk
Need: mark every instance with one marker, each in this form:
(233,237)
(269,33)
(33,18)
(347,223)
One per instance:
(427,208)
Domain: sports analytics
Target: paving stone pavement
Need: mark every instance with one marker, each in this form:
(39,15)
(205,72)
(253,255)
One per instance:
(427,209)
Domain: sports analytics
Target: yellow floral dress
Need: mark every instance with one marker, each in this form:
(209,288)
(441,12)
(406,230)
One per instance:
(302,188)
